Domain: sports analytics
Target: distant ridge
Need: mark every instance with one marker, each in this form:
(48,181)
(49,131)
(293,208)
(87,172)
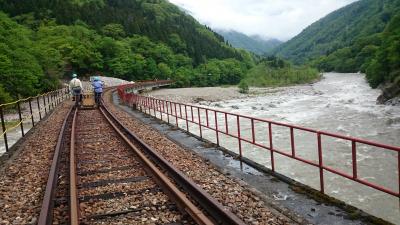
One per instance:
(252,43)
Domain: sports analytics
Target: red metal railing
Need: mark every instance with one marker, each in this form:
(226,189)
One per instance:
(193,115)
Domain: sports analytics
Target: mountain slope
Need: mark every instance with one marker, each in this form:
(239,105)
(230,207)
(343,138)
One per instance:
(157,19)
(339,29)
(254,44)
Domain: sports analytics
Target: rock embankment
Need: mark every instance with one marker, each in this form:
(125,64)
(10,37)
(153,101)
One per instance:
(390,94)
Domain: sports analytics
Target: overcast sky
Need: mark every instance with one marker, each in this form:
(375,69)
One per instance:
(281,19)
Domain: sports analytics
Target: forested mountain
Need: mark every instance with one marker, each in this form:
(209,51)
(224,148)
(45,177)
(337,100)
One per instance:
(157,19)
(42,41)
(363,36)
(254,44)
(339,29)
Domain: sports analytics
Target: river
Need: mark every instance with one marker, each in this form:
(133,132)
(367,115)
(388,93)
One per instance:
(338,103)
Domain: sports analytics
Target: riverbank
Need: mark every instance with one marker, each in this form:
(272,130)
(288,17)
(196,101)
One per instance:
(211,94)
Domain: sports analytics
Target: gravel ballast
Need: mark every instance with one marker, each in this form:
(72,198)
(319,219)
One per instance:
(23,177)
(230,193)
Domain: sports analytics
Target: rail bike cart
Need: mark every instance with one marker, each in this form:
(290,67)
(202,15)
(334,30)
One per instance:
(88,101)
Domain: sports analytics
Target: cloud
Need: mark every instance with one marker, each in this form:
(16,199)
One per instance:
(280,19)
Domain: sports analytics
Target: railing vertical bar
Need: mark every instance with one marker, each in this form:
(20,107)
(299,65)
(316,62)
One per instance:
(216,127)
(180,110)
(198,114)
(30,110)
(162,108)
(166,106)
(226,124)
(191,111)
(3,125)
(320,163)
(207,119)
(176,116)
(186,117)
(239,137)
(398,170)
(20,119)
(48,102)
(44,104)
(253,135)
(271,147)
(38,105)
(292,142)
(354,158)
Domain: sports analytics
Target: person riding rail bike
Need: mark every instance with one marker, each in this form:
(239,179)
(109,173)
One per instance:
(75,88)
(98,89)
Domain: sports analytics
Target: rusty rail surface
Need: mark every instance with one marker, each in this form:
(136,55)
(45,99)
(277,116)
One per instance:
(206,201)
(48,200)
(217,121)
(217,214)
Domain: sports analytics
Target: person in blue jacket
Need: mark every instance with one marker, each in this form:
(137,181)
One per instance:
(97,85)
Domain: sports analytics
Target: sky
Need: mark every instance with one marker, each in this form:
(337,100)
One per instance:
(280,19)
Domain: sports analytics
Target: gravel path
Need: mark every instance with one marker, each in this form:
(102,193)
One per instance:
(242,202)
(23,178)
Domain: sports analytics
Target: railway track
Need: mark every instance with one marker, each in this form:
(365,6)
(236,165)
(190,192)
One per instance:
(103,174)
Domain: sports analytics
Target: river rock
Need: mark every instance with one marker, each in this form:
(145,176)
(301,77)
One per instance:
(235,107)
(390,92)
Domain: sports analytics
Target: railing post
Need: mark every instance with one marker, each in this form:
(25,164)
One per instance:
(48,101)
(253,135)
(44,104)
(354,158)
(176,116)
(166,106)
(161,105)
(186,117)
(226,124)
(398,170)
(198,114)
(20,119)
(320,163)
(38,105)
(207,118)
(271,147)
(216,127)
(239,139)
(3,125)
(30,109)
(292,142)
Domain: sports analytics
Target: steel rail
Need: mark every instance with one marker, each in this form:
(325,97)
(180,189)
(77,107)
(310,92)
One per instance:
(73,202)
(179,197)
(46,212)
(220,214)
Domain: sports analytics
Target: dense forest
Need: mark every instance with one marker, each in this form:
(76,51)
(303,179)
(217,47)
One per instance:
(272,71)
(45,41)
(363,36)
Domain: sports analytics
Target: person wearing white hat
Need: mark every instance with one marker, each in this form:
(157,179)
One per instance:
(75,87)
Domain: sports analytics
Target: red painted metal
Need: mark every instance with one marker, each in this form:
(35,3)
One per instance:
(320,164)
(203,112)
(239,139)
(253,135)
(292,142)
(216,127)
(354,158)
(271,148)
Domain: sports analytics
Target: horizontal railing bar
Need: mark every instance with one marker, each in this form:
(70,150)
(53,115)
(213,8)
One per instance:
(143,101)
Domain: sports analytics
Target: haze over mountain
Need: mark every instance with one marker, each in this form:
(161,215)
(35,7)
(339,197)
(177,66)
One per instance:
(254,43)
